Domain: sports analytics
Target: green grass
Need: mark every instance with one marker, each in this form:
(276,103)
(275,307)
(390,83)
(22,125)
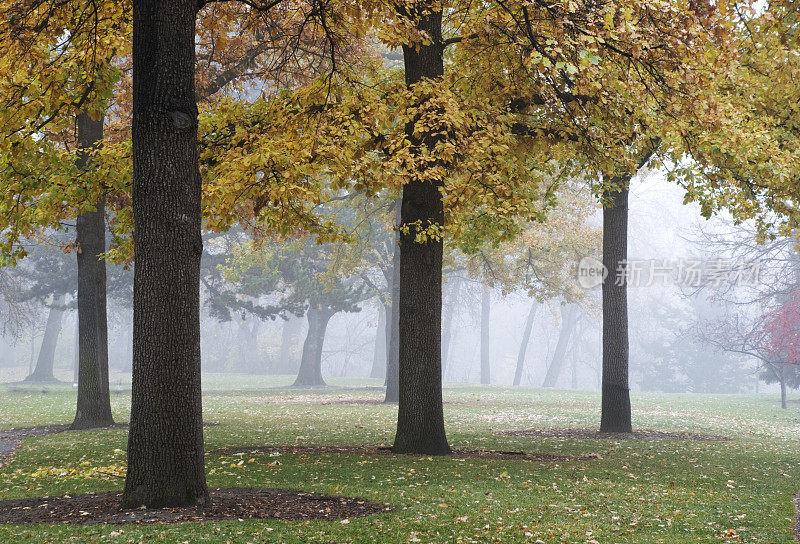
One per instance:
(638,492)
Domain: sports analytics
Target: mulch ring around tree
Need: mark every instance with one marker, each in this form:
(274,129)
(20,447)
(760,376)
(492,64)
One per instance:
(594,434)
(380,450)
(225,504)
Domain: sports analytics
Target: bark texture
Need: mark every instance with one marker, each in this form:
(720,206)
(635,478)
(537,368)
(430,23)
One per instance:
(616,402)
(420,419)
(523,346)
(94,402)
(165,442)
(43,371)
(486,317)
(568,319)
(310,373)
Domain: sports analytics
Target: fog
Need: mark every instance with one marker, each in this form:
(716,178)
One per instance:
(666,351)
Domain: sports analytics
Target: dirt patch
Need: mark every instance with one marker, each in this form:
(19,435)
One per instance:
(378,450)
(594,434)
(226,504)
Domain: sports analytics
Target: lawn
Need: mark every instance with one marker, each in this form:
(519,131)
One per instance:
(642,491)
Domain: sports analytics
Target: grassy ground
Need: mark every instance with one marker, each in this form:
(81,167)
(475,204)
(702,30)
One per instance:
(637,492)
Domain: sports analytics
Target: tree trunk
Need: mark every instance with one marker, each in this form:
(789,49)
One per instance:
(420,418)
(486,309)
(43,372)
(165,442)
(783,390)
(523,346)
(616,402)
(393,324)
(94,402)
(379,355)
(447,326)
(310,373)
(288,363)
(564,335)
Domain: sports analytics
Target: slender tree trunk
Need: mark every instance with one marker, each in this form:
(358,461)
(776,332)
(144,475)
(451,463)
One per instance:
(165,442)
(523,346)
(379,355)
(33,353)
(310,373)
(94,401)
(393,344)
(783,390)
(616,402)
(447,325)
(564,335)
(574,361)
(43,372)
(420,418)
(486,311)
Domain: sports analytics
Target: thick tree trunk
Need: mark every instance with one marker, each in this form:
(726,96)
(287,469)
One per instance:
(420,418)
(393,323)
(378,370)
(523,346)
(564,335)
(310,373)
(486,314)
(616,402)
(288,362)
(43,372)
(447,325)
(94,402)
(165,442)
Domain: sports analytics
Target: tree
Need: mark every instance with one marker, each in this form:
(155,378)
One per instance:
(43,371)
(165,442)
(523,345)
(569,318)
(420,419)
(486,309)
(296,277)
(746,162)
(540,259)
(616,400)
(48,277)
(94,401)
(770,339)
(604,88)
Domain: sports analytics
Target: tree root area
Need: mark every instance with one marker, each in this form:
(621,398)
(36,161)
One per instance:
(378,450)
(594,434)
(225,504)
